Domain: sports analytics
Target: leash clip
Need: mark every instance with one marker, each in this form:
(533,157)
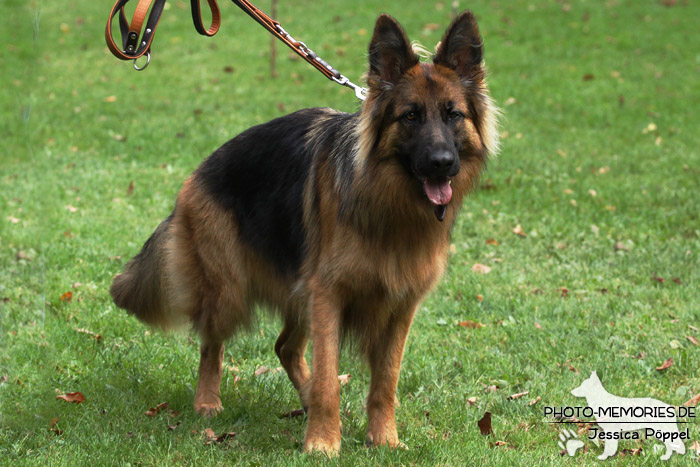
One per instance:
(360,92)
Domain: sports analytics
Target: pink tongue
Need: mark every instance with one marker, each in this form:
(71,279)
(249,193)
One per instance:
(439,191)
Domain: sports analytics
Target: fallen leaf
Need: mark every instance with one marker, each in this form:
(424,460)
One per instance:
(518,230)
(564,291)
(71,208)
(695,447)
(213,438)
(90,333)
(481,268)
(693,401)
(693,340)
(22,255)
(500,443)
(293,413)
(111,99)
(485,424)
(472,400)
(492,241)
(665,365)
(173,427)
(343,379)
(588,77)
(677,280)
(261,370)
(67,297)
(52,426)
(518,395)
(76,285)
(153,411)
(535,400)
(693,327)
(470,324)
(538,325)
(13,219)
(75,397)
(480,298)
(658,279)
(130,189)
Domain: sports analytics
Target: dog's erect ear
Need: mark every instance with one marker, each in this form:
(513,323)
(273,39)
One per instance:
(461,48)
(390,53)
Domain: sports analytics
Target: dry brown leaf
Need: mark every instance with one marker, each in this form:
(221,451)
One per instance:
(153,411)
(480,297)
(89,333)
(470,324)
(111,99)
(677,280)
(564,291)
(518,395)
(472,400)
(492,241)
(71,208)
(695,447)
(130,190)
(213,438)
(52,426)
(658,279)
(261,370)
(693,401)
(485,424)
(67,297)
(481,268)
(22,255)
(538,325)
(535,400)
(693,328)
(693,340)
(13,219)
(343,379)
(665,365)
(293,413)
(75,397)
(518,230)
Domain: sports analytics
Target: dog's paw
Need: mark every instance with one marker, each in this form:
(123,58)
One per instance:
(209,410)
(330,449)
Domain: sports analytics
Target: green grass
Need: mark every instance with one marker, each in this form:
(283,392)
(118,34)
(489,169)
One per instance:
(580,84)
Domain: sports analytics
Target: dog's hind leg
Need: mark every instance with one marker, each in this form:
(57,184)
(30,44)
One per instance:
(207,400)
(290,348)
(385,356)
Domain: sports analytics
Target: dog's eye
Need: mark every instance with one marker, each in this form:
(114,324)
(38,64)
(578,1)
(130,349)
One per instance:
(411,116)
(454,115)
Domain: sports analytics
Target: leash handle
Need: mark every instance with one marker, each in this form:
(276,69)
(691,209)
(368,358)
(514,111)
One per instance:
(133,44)
(134,47)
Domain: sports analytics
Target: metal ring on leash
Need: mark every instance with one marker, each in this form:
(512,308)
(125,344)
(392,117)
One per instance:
(148,60)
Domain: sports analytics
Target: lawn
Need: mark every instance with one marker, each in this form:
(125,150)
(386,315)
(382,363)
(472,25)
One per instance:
(600,159)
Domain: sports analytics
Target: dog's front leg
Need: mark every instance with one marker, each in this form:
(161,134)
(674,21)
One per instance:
(385,363)
(323,430)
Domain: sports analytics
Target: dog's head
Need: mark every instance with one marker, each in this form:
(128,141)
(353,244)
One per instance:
(434,119)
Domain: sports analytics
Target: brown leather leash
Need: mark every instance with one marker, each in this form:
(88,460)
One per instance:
(135,44)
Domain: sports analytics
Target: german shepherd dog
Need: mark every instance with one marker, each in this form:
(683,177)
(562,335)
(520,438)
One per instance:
(338,222)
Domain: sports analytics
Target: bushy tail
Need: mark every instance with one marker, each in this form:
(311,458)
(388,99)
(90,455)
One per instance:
(139,289)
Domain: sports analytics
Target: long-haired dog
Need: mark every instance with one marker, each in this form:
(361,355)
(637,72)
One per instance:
(338,222)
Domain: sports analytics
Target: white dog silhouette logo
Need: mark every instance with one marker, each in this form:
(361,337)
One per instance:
(623,418)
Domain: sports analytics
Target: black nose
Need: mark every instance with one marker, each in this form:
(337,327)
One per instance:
(441,163)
